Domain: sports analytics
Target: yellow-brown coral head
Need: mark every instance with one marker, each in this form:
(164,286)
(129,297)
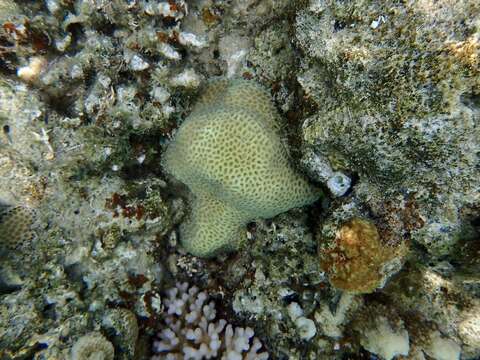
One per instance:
(357,261)
(230,155)
(16,226)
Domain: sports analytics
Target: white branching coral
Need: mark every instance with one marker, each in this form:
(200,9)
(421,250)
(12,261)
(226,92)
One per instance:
(192,333)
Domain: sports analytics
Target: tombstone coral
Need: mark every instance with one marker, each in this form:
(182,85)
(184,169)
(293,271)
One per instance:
(229,153)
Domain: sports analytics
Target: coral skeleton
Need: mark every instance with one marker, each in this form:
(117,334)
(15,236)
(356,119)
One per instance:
(192,332)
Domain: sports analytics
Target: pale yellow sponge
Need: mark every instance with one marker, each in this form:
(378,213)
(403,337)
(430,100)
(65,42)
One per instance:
(229,153)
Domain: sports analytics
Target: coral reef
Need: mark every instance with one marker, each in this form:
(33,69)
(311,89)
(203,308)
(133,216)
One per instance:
(229,154)
(434,306)
(191,330)
(404,132)
(76,108)
(377,103)
(276,290)
(90,92)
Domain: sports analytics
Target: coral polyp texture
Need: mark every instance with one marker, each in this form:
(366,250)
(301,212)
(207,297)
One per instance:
(357,261)
(92,346)
(229,153)
(192,332)
(15,226)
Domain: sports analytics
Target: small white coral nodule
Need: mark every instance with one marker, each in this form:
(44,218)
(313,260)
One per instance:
(92,346)
(191,331)
(32,71)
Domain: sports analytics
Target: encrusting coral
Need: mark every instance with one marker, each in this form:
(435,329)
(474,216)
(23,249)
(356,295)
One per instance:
(229,153)
(358,261)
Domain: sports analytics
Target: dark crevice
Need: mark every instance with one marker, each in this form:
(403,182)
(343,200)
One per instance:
(77,32)
(8,289)
(49,312)
(471,100)
(63,105)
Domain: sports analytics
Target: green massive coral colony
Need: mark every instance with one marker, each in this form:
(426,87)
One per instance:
(241,179)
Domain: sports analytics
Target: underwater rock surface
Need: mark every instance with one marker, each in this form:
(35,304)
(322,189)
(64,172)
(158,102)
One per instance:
(379,103)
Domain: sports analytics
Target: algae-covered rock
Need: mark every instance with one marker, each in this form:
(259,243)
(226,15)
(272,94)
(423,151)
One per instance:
(398,59)
(123,326)
(397,89)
